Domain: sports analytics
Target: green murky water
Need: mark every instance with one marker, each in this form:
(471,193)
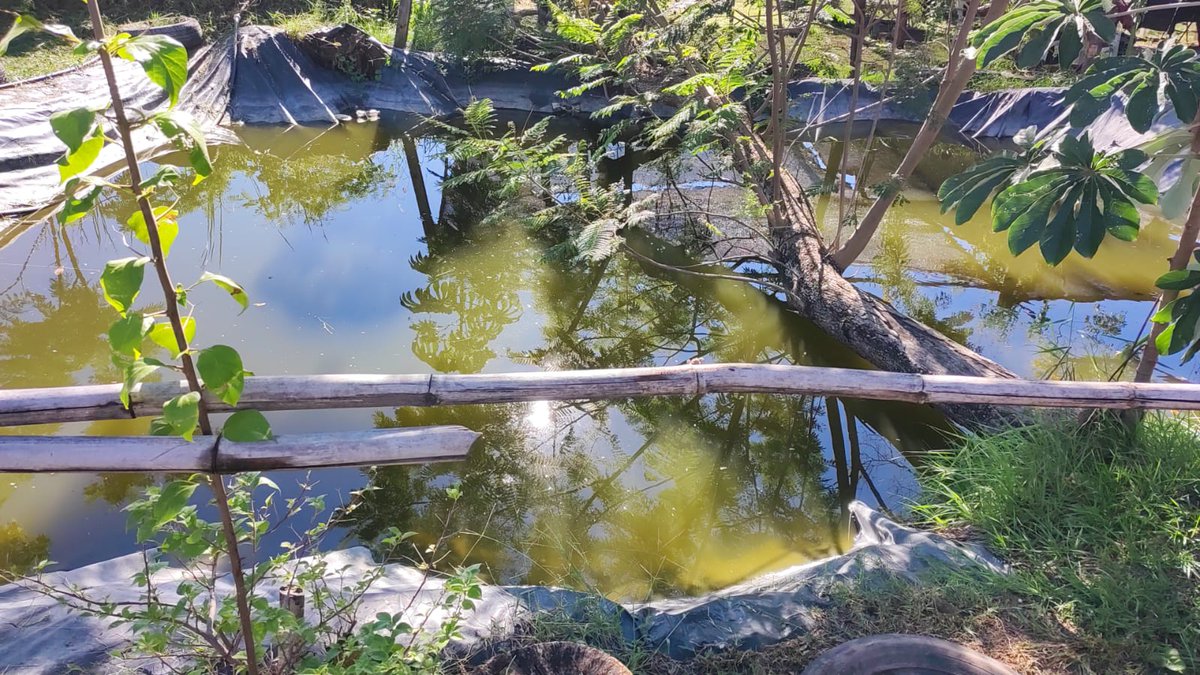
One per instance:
(357,263)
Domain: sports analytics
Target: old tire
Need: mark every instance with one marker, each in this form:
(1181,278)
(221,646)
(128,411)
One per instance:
(186,32)
(907,654)
(553,658)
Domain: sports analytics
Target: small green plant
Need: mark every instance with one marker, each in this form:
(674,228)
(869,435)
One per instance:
(531,162)
(193,624)
(181,612)
(1100,523)
(471,29)
(423,30)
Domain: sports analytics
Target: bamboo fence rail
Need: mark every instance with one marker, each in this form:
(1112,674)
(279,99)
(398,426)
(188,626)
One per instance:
(100,402)
(213,454)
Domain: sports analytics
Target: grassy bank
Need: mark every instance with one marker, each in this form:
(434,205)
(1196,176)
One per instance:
(33,55)
(1101,526)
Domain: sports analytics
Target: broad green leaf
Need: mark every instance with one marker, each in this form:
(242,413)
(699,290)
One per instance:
(180,416)
(221,369)
(231,287)
(1059,234)
(1015,200)
(1070,42)
(171,502)
(1004,34)
(163,59)
(74,126)
(1178,280)
(168,227)
(185,132)
(1029,226)
(1142,105)
(1090,195)
(1170,69)
(1130,159)
(1076,151)
(86,48)
(165,175)
(1181,331)
(134,371)
(1163,315)
(1121,217)
(122,281)
(1035,49)
(1089,223)
(1099,23)
(74,206)
(1184,99)
(247,426)
(26,23)
(966,192)
(80,160)
(1136,186)
(163,335)
(125,335)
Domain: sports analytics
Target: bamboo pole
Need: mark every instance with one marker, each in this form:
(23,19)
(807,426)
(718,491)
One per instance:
(99,402)
(214,455)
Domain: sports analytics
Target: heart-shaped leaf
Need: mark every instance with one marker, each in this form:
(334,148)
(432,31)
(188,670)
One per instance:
(122,281)
(247,426)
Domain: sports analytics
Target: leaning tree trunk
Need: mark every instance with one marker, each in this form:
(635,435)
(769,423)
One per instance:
(959,70)
(1179,261)
(870,327)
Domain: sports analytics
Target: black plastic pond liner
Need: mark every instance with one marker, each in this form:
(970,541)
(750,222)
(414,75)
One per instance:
(38,635)
(29,177)
(274,81)
(990,115)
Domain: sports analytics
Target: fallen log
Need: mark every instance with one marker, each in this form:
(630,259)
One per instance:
(311,392)
(213,454)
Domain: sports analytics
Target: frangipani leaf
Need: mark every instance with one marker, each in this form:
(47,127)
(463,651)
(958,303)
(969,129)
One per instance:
(1036,24)
(1089,194)
(1171,73)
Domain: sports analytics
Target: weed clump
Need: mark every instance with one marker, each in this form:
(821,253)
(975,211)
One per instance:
(1101,525)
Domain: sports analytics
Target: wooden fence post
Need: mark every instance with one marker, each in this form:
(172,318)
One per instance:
(403,18)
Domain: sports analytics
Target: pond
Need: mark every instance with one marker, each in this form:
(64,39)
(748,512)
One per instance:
(356,262)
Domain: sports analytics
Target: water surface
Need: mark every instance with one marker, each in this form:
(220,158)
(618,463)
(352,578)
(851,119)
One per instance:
(356,262)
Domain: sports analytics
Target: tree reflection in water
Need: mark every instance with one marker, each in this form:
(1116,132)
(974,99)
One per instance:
(636,498)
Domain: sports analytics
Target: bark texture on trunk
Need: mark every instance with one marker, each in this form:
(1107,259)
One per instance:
(870,327)
(866,324)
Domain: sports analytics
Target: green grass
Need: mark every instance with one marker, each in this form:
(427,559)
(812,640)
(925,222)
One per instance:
(1101,526)
(37,60)
(299,20)
(31,56)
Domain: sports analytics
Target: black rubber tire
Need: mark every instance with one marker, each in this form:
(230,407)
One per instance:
(553,658)
(895,654)
(187,32)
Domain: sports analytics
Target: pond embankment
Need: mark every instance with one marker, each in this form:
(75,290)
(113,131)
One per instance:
(753,614)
